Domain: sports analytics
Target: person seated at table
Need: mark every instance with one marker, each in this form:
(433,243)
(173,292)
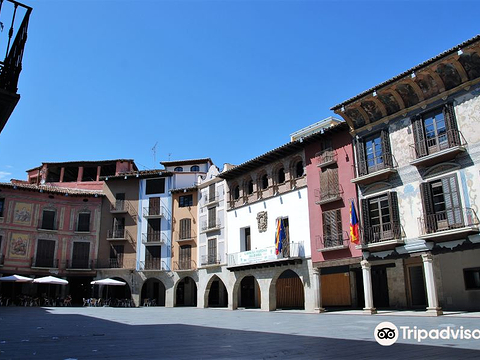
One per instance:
(68,301)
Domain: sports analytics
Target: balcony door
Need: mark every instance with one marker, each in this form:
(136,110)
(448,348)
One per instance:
(48,219)
(185,257)
(153,230)
(118,228)
(374,154)
(153,257)
(154,206)
(80,255)
(116,256)
(212,251)
(45,253)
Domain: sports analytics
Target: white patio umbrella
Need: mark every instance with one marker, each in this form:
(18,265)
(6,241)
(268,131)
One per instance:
(108,282)
(16,278)
(50,280)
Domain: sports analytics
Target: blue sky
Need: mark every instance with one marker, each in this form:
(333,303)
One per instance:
(228,80)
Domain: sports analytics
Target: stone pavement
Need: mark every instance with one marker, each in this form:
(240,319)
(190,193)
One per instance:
(182,333)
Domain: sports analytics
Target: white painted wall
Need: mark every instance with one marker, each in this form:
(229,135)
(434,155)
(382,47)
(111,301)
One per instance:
(293,205)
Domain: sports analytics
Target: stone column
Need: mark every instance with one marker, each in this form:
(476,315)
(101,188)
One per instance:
(433,308)
(367,287)
(317,291)
(80,174)
(99,169)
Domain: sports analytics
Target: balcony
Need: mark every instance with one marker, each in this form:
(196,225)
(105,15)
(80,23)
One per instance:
(452,224)
(44,262)
(291,250)
(12,14)
(369,171)
(116,263)
(154,212)
(326,158)
(47,225)
(185,236)
(211,199)
(79,264)
(154,264)
(209,260)
(118,234)
(382,237)
(332,242)
(330,194)
(119,207)
(154,239)
(208,226)
(443,147)
(184,265)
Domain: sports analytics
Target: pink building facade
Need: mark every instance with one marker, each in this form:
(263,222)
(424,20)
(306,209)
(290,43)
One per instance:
(330,193)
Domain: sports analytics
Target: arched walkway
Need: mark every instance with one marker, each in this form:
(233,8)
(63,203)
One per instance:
(216,294)
(249,295)
(153,293)
(186,292)
(117,295)
(289,291)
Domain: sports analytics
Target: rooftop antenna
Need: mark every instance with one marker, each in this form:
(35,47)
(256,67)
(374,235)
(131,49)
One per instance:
(169,154)
(154,149)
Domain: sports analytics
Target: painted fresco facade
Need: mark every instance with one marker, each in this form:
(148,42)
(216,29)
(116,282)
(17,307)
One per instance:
(417,168)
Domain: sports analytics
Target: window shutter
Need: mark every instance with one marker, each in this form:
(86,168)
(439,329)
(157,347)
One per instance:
(452,201)
(419,137)
(451,124)
(387,151)
(394,214)
(428,210)
(361,158)
(365,219)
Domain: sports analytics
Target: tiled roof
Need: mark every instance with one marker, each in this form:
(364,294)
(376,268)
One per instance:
(138,174)
(186,162)
(186,189)
(53,189)
(409,72)
(279,152)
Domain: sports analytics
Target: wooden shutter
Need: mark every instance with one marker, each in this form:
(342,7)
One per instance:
(83,222)
(365,218)
(185,229)
(212,251)
(211,192)
(154,206)
(419,137)
(332,228)
(428,209)
(45,253)
(361,158)
(212,217)
(386,150)
(452,201)
(394,214)
(451,124)
(81,255)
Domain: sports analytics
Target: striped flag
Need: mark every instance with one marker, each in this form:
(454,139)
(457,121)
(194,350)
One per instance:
(354,238)
(279,236)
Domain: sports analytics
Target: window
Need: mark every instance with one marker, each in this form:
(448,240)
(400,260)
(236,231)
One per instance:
(185,229)
(185,257)
(48,220)
(236,192)
(45,253)
(381,218)
(441,205)
(211,193)
(245,239)
(329,187)
(212,251)
(119,201)
(373,153)
(212,218)
(178,168)
(250,187)
(186,200)
(2,206)
(286,241)
(155,186)
(299,169)
(83,222)
(154,206)
(153,257)
(116,256)
(80,255)
(332,228)
(264,182)
(195,168)
(153,230)
(435,131)
(472,279)
(281,176)
(118,228)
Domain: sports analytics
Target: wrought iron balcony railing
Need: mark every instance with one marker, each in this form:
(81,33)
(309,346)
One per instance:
(211,225)
(153,211)
(184,265)
(154,264)
(80,264)
(332,241)
(209,260)
(383,232)
(118,234)
(44,262)
(451,219)
(328,194)
(211,198)
(326,157)
(154,238)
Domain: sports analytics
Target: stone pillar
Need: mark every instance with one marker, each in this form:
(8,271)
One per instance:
(80,174)
(62,174)
(99,169)
(317,291)
(367,287)
(433,308)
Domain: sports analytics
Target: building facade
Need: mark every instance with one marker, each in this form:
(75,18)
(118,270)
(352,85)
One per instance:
(417,168)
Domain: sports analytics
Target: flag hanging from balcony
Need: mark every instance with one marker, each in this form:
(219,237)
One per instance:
(354,238)
(279,236)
